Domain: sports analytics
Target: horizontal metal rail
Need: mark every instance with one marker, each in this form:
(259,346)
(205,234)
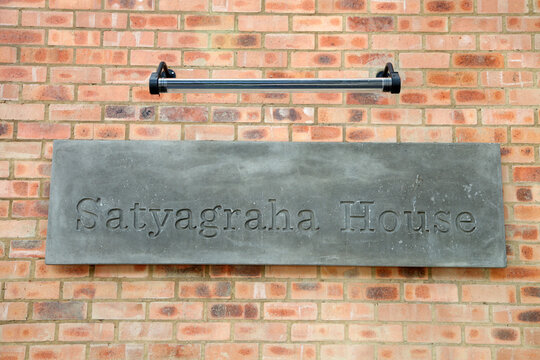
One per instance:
(164,81)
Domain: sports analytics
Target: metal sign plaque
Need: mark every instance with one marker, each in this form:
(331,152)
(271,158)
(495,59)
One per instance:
(160,202)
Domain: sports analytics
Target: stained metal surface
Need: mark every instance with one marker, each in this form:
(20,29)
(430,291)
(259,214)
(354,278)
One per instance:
(159,202)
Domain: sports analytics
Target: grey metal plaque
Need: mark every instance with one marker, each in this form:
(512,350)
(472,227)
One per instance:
(159,202)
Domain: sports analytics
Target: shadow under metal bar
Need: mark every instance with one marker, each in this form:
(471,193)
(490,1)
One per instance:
(164,81)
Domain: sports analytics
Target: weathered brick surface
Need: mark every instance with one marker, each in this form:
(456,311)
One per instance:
(78,70)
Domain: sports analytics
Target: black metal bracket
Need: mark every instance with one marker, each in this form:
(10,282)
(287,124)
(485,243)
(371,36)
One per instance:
(162,72)
(388,72)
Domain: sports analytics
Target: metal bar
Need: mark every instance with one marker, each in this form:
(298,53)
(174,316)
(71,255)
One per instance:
(270,85)
(164,81)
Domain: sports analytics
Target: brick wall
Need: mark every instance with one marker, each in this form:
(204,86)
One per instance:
(78,70)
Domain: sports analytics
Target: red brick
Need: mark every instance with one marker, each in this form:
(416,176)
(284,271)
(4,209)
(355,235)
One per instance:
(502,6)
(6,131)
(17,228)
(371,134)
(116,351)
(204,132)
(357,351)
(73,38)
(317,332)
(203,331)
(361,60)
(79,4)
(10,17)
(236,6)
(370,24)
(227,271)
(521,232)
(260,59)
(527,212)
(375,332)
(316,290)
(22,74)
(47,19)
(507,78)
(56,310)
(232,41)
(75,75)
(10,311)
(391,6)
(121,271)
(9,91)
(431,292)
(209,22)
(289,352)
(290,6)
(182,40)
(396,116)
(522,23)
(48,92)
(492,335)
(89,290)
(263,23)
(520,273)
(479,97)
(17,188)
(485,134)
(526,173)
(43,271)
(448,6)
(529,252)
(425,60)
(26,332)
(86,332)
(489,293)
(208,58)
(103,93)
(342,41)
(423,24)
(118,310)
(452,79)
(154,331)
(404,352)
(524,96)
(404,312)
(461,313)
(100,20)
(176,310)
(260,331)
(517,353)
(347,311)
(260,290)
(24,3)
(12,352)
(317,23)
(233,310)
(523,60)
(422,134)
(147,289)
(532,336)
(476,24)
(336,115)
(290,311)
(153,21)
(43,131)
(10,36)
(317,133)
(101,57)
(123,5)
(231,351)
(128,38)
(478,60)
(453,352)
(217,289)
(46,55)
(511,117)
(451,117)
(263,133)
(517,154)
(432,97)
(32,290)
(434,333)
(397,42)
(289,41)
(372,291)
(345,272)
(154,132)
(14,269)
(505,42)
(174,351)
